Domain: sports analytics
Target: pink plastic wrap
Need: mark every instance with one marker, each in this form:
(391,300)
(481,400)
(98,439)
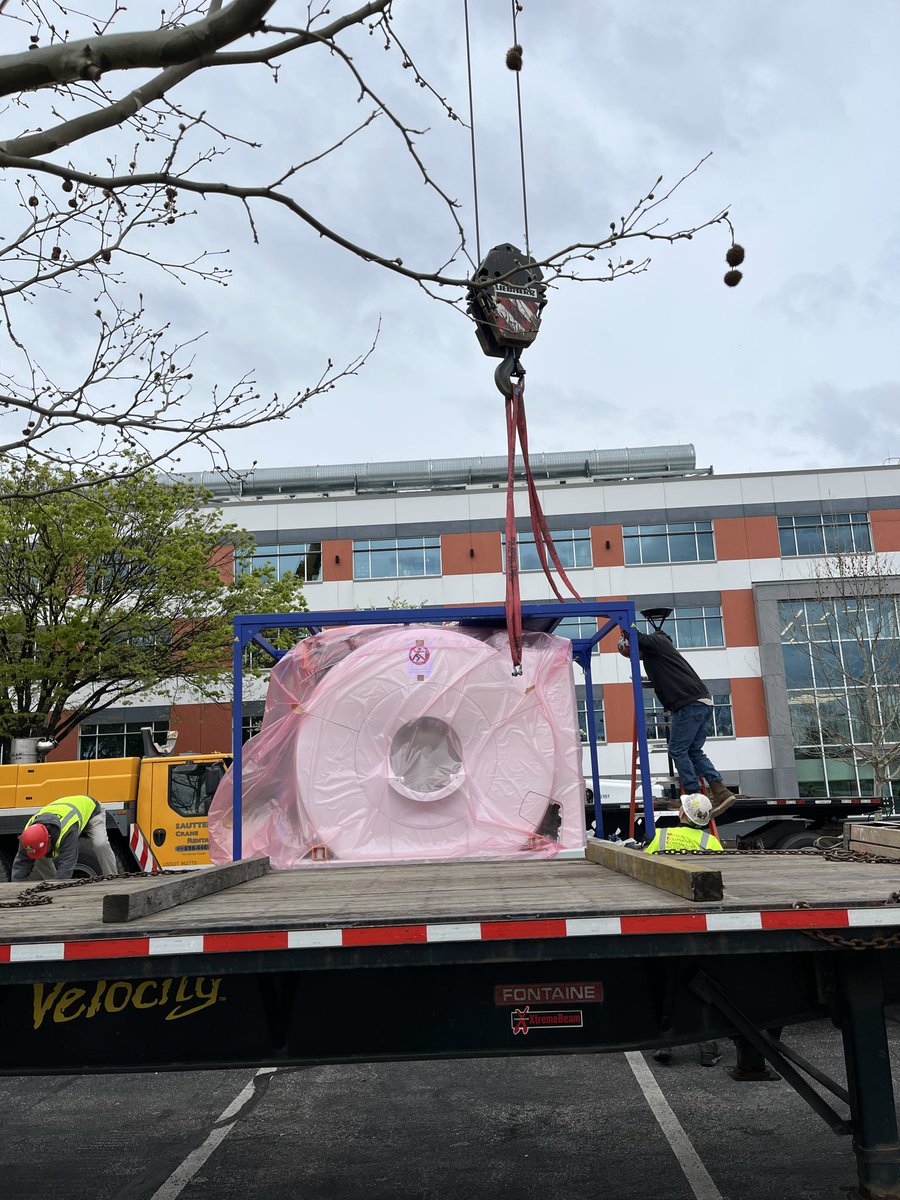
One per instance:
(398,742)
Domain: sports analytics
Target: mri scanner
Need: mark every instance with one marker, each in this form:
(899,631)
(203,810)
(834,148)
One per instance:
(411,742)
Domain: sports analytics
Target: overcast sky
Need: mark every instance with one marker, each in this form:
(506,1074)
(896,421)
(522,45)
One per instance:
(796,99)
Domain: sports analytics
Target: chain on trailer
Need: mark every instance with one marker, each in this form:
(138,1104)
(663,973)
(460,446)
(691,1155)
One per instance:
(829,854)
(38,894)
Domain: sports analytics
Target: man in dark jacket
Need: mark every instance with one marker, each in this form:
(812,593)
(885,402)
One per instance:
(682,692)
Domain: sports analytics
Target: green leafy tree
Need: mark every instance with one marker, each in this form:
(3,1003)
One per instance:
(112,589)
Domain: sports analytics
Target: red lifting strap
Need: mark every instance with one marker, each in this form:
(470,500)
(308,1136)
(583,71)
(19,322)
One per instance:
(543,541)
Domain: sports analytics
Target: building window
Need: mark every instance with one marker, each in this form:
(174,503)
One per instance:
(572,545)
(118,740)
(691,627)
(396,558)
(842,674)
(600,728)
(721,724)
(722,717)
(576,628)
(255,658)
(251,723)
(301,559)
(836,533)
(684,541)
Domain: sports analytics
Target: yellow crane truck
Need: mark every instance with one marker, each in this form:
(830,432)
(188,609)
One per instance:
(155,805)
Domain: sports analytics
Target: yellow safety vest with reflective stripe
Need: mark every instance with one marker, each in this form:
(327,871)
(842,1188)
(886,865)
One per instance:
(69,811)
(682,837)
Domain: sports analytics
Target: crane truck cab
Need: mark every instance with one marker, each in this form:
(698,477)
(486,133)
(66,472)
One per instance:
(155,805)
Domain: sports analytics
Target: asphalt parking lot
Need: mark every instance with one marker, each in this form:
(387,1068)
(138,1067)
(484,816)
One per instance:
(574,1126)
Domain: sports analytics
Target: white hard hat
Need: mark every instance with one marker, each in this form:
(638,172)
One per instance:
(697,809)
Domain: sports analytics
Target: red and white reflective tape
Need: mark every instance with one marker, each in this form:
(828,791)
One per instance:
(474,931)
(143,855)
(832,801)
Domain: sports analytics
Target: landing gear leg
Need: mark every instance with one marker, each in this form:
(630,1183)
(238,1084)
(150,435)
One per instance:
(860,993)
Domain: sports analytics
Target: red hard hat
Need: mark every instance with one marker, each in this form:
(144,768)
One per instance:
(36,841)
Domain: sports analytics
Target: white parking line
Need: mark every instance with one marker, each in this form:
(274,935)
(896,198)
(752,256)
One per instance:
(182,1176)
(689,1160)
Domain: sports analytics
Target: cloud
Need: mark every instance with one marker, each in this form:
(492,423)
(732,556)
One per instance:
(858,425)
(815,300)
(796,101)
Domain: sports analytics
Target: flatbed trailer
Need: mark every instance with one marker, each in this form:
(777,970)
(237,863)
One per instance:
(469,959)
(758,823)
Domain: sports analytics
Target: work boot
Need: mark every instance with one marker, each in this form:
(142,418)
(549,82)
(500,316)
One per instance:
(663,1056)
(709,1060)
(721,797)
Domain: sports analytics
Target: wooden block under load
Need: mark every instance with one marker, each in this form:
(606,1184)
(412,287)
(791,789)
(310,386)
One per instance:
(168,893)
(692,881)
(881,838)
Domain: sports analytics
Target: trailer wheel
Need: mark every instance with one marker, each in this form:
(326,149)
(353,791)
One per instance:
(87,866)
(805,839)
(124,858)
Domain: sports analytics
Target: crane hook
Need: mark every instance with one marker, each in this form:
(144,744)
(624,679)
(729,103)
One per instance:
(505,370)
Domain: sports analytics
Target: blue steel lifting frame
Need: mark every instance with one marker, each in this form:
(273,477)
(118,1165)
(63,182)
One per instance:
(619,615)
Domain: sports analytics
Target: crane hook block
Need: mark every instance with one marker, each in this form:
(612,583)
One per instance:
(506,297)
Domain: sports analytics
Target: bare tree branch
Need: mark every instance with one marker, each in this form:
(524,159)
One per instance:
(87,224)
(90,58)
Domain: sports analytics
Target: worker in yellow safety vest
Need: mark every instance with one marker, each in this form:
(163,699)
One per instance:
(53,832)
(692,833)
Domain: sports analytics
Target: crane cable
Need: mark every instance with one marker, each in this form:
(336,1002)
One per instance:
(516,49)
(472,134)
(515,395)
(516,8)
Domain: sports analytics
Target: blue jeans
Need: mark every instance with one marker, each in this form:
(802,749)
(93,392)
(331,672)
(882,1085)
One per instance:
(687,733)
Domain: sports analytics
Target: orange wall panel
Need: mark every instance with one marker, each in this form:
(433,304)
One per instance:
(456,558)
(223,561)
(337,560)
(749,707)
(202,728)
(611,641)
(746,537)
(615,555)
(885,529)
(618,712)
(66,750)
(739,618)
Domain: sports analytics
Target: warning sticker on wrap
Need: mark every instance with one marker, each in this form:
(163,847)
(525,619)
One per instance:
(420,662)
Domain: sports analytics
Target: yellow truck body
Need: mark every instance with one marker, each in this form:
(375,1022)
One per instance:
(164,799)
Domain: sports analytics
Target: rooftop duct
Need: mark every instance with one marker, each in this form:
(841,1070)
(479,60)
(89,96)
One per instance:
(431,474)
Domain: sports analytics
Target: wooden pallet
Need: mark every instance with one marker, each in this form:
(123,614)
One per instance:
(873,837)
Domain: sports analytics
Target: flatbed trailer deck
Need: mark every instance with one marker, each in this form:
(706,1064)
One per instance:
(469,959)
(407,896)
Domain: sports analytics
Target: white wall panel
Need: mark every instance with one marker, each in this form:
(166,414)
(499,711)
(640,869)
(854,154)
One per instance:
(795,487)
(731,662)
(756,489)
(702,493)
(883,483)
(254,515)
(367,510)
